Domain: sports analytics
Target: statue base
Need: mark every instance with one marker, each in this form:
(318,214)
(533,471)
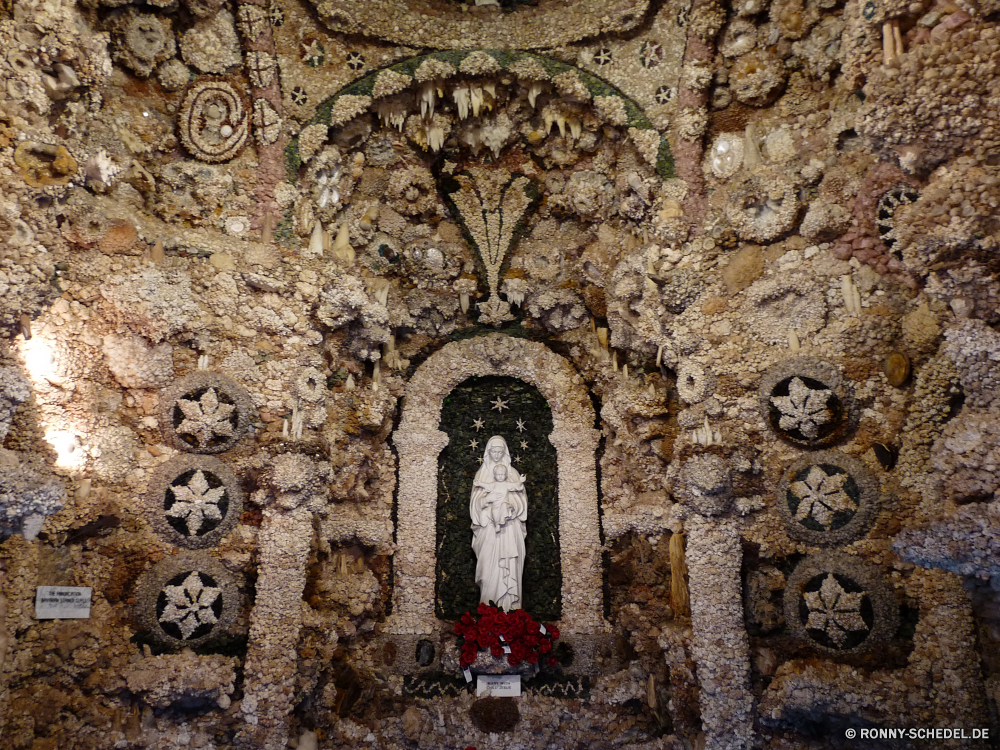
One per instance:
(487,663)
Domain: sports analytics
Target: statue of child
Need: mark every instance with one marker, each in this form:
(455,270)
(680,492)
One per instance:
(499,509)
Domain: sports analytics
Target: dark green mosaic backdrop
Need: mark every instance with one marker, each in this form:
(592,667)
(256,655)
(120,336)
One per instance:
(457,465)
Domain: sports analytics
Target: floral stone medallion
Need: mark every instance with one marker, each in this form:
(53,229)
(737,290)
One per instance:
(839,604)
(205,413)
(194,501)
(187,600)
(807,402)
(827,498)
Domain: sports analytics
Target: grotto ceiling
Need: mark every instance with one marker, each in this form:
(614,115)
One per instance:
(723,276)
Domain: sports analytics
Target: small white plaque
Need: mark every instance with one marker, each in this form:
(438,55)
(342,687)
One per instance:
(499,685)
(62,603)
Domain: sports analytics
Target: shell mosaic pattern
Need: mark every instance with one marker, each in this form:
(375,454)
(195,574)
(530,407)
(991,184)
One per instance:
(807,402)
(360,95)
(827,498)
(891,200)
(838,604)
(187,600)
(830,192)
(194,501)
(214,121)
(542,25)
(205,413)
(492,219)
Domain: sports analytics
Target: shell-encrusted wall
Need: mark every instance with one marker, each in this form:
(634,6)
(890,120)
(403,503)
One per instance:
(746,254)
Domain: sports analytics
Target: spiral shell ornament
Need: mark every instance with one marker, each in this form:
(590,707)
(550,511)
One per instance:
(214,121)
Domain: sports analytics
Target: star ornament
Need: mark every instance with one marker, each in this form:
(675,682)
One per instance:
(524,445)
(478,424)
(206,417)
(520,425)
(189,606)
(499,404)
(196,502)
(804,409)
(822,495)
(835,611)
(474,444)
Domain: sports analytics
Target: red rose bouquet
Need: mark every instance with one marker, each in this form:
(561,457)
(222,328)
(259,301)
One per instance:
(492,628)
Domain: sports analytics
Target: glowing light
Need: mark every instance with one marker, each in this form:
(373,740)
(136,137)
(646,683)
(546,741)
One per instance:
(39,359)
(68,447)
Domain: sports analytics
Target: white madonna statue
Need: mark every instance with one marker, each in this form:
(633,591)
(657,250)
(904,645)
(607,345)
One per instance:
(499,509)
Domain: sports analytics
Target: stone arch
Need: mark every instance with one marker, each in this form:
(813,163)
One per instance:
(359,96)
(419,442)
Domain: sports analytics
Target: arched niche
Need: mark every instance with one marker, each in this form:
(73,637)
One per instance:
(419,441)
(363,95)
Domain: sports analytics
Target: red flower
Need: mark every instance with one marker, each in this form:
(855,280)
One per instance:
(459,629)
(485,609)
(553,631)
(496,651)
(532,658)
(552,661)
(513,660)
(545,645)
(487,623)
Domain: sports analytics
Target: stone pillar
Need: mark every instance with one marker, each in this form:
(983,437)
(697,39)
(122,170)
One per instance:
(284,542)
(720,643)
(4,643)
(579,530)
(416,530)
(285,539)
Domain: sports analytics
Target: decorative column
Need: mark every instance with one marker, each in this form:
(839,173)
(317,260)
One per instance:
(256,18)
(720,644)
(5,640)
(579,535)
(284,542)
(692,108)
(416,529)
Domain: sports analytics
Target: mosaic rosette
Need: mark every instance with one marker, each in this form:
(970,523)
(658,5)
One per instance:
(194,501)
(205,412)
(807,402)
(827,498)
(839,604)
(187,600)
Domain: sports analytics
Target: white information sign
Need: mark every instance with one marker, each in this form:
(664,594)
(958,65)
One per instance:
(499,685)
(62,603)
